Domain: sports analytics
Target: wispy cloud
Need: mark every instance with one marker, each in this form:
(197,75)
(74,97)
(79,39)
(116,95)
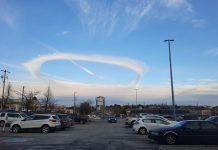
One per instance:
(139,68)
(126,15)
(12,65)
(65,32)
(213,51)
(7,14)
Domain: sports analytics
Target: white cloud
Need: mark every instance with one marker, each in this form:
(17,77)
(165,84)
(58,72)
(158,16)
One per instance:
(126,15)
(213,51)
(7,14)
(34,65)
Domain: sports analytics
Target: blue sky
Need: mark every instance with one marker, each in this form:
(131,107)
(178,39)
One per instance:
(110,48)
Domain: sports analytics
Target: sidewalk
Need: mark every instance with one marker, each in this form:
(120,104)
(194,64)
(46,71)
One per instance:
(188,147)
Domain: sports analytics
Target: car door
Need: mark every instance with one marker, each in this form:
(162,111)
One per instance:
(26,123)
(190,132)
(209,131)
(161,123)
(149,124)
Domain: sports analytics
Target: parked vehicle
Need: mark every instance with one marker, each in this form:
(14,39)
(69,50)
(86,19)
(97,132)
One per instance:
(213,119)
(186,131)
(8,117)
(79,118)
(143,126)
(43,122)
(65,121)
(130,120)
(112,119)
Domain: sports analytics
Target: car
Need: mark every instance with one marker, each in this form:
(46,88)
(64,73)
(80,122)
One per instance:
(65,121)
(186,131)
(43,122)
(112,119)
(79,118)
(144,125)
(213,119)
(9,117)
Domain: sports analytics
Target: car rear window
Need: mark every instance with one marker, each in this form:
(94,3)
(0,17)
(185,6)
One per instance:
(56,117)
(41,117)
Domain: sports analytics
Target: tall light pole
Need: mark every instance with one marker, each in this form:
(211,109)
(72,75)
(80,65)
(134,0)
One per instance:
(4,76)
(74,106)
(171,77)
(136,97)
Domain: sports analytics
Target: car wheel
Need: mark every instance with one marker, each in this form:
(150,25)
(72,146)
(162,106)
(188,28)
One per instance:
(2,123)
(45,129)
(142,131)
(170,139)
(15,129)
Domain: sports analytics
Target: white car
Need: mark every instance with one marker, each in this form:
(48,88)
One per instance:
(9,117)
(143,125)
(44,122)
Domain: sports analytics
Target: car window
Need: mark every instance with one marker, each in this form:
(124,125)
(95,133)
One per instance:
(40,117)
(2,115)
(56,117)
(148,120)
(13,115)
(161,121)
(192,125)
(208,125)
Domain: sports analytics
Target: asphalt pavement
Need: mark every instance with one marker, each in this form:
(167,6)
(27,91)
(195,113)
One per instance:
(97,135)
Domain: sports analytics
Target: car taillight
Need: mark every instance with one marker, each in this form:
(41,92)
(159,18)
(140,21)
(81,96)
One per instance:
(52,120)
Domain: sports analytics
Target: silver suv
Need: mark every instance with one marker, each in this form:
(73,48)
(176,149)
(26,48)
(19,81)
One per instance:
(9,117)
(43,122)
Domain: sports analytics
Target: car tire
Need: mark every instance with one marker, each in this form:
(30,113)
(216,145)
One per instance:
(142,131)
(170,139)
(15,129)
(45,129)
(2,123)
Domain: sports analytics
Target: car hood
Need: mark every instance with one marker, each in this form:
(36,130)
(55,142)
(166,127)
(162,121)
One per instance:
(163,129)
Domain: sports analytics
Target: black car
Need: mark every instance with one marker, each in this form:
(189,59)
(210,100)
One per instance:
(187,131)
(79,118)
(112,119)
(213,119)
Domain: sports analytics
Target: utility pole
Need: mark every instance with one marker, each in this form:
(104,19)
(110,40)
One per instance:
(74,106)
(22,98)
(4,76)
(136,97)
(171,77)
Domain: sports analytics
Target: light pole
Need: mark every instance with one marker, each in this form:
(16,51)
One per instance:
(74,106)
(136,97)
(171,77)
(3,89)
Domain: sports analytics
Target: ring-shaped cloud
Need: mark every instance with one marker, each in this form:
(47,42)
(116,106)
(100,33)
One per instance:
(35,64)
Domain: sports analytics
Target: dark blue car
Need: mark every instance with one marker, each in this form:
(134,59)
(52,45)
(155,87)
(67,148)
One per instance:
(112,119)
(190,131)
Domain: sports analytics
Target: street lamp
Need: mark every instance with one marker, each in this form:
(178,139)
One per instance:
(136,97)
(74,99)
(171,77)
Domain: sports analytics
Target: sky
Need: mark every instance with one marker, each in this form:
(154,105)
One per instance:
(111,48)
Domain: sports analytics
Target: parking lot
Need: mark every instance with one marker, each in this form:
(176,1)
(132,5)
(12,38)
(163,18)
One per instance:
(94,135)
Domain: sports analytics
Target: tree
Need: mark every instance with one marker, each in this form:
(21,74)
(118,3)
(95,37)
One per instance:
(85,107)
(30,101)
(48,100)
(7,95)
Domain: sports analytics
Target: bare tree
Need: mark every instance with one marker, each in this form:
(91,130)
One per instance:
(48,100)
(30,100)
(7,95)
(85,107)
